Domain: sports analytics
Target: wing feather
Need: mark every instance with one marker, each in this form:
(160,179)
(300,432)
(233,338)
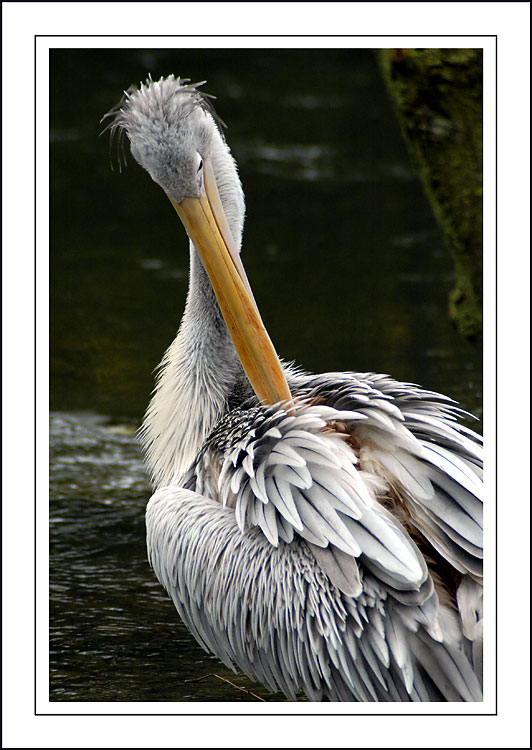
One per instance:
(339,567)
(280,494)
(316,479)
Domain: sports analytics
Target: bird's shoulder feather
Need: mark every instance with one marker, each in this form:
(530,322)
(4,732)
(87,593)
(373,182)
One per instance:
(379,483)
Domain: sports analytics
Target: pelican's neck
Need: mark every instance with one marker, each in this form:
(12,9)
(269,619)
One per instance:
(200,370)
(228,184)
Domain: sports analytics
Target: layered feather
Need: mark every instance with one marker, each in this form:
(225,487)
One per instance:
(317,483)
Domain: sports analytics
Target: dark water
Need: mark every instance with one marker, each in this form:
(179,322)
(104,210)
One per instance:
(348,268)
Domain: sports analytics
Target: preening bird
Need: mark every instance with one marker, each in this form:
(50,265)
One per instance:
(321,533)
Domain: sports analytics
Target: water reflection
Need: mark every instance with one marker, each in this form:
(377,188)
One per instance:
(348,269)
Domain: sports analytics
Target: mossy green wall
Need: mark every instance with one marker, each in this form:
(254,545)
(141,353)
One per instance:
(437,94)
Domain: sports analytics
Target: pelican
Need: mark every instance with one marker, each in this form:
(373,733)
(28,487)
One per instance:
(321,533)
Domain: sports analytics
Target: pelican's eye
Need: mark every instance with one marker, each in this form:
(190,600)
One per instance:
(200,165)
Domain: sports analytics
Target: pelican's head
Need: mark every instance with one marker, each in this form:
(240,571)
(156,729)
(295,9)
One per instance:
(170,127)
(173,134)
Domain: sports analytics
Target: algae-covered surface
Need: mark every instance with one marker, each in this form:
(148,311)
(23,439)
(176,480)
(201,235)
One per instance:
(437,95)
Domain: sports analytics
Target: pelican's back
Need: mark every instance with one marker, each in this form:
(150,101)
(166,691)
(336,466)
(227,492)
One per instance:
(334,550)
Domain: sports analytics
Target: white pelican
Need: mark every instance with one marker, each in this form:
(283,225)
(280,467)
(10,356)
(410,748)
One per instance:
(322,533)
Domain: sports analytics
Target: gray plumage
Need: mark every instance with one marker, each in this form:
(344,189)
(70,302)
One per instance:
(333,548)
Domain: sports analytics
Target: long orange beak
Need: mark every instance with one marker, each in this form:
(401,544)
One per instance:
(206,225)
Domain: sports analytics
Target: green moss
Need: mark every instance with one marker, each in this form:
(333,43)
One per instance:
(437,94)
